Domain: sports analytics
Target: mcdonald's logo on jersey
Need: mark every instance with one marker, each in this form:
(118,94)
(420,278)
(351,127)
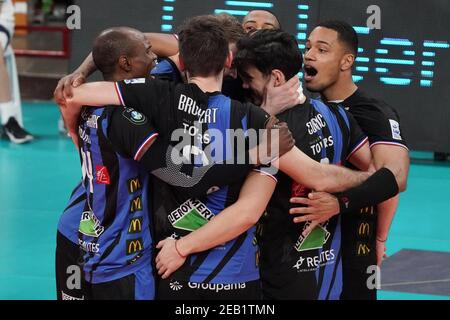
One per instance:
(364,229)
(367,210)
(135,225)
(136,204)
(134,185)
(134,245)
(362,249)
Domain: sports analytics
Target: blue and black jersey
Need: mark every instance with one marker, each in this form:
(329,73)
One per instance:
(204,122)
(70,218)
(114,229)
(293,266)
(167,70)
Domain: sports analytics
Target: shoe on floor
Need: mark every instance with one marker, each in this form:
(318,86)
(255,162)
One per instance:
(15,133)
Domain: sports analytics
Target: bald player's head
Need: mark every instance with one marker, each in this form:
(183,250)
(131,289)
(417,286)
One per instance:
(260,19)
(123,50)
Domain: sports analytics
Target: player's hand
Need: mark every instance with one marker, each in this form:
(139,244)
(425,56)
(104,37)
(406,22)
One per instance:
(277,141)
(168,260)
(381,251)
(71,114)
(279,99)
(65,85)
(320,207)
(286,139)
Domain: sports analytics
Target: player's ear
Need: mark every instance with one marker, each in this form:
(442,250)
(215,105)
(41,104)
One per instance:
(229,60)
(125,63)
(278,77)
(347,62)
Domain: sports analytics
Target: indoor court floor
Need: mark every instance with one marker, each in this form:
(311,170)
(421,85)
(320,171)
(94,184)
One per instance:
(37,179)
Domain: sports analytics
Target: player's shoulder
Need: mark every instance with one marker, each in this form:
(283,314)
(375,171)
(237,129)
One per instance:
(167,70)
(363,104)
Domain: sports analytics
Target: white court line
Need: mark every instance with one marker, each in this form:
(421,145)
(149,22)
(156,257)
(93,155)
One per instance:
(413,282)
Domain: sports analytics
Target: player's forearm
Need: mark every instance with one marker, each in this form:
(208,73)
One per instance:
(163,45)
(96,94)
(400,171)
(226,226)
(395,159)
(386,211)
(88,66)
(234,220)
(335,178)
(379,187)
(318,176)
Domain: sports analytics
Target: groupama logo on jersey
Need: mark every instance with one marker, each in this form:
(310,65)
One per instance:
(191,215)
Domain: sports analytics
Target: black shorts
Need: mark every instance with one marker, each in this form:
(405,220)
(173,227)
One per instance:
(181,290)
(137,286)
(355,285)
(358,254)
(69,276)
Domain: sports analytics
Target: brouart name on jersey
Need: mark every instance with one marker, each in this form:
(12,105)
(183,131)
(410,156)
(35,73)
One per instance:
(189,105)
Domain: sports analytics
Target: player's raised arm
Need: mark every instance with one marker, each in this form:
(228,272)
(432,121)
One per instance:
(96,94)
(229,224)
(317,176)
(92,94)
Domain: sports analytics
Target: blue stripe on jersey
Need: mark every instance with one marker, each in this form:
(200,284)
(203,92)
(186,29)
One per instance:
(241,266)
(144,286)
(244,124)
(336,290)
(344,115)
(70,219)
(329,269)
(333,126)
(336,131)
(118,254)
(163,66)
(99,189)
(221,147)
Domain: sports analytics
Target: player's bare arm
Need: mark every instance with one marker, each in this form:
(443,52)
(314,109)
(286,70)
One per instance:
(229,224)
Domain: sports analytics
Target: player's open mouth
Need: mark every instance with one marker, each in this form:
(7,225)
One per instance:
(310,73)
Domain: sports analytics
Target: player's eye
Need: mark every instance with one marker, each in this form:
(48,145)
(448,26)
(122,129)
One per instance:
(250,29)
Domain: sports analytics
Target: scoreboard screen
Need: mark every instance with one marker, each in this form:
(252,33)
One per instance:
(405,62)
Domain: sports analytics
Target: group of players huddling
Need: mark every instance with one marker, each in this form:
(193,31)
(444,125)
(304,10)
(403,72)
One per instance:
(208,174)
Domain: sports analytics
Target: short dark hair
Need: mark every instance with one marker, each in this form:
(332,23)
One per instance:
(110,45)
(265,10)
(203,46)
(232,27)
(346,33)
(268,50)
